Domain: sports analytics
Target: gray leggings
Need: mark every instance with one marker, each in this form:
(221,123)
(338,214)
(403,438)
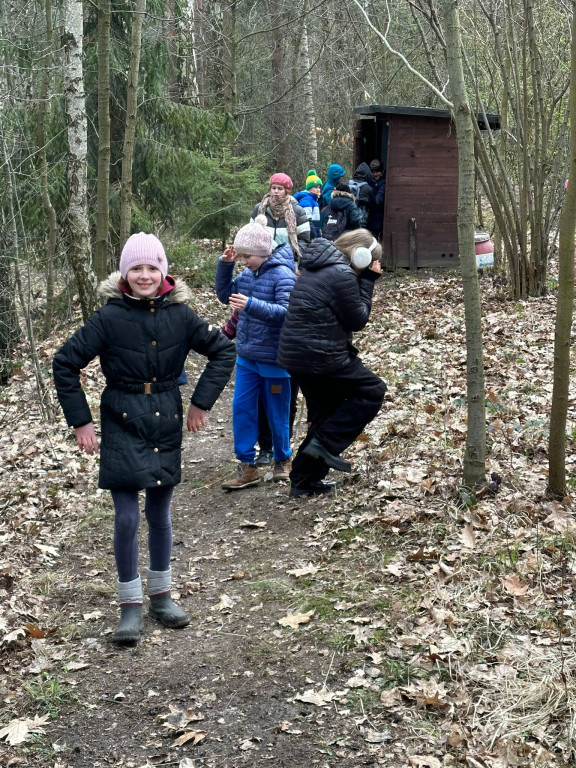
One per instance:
(126,524)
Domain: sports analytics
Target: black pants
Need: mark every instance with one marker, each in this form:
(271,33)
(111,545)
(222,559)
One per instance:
(339,407)
(264,433)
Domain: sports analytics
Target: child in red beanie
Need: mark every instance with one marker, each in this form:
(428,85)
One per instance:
(287,220)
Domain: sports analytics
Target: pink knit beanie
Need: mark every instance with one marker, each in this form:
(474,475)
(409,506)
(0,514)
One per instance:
(283,179)
(254,239)
(143,249)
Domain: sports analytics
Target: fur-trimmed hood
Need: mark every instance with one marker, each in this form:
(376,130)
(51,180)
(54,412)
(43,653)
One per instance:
(178,294)
(338,193)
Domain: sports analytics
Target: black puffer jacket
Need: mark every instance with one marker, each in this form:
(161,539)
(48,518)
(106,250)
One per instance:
(138,341)
(328,302)
(344,201)
(366,195)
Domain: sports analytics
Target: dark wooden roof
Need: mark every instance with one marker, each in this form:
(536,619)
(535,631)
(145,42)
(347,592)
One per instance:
(381,109)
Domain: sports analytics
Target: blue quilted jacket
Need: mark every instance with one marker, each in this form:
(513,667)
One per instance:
(260,323)
(309,203)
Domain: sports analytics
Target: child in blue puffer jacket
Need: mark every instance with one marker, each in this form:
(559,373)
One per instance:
(308,199)
(260,293)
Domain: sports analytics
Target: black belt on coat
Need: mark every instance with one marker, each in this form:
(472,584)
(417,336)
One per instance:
(144,387)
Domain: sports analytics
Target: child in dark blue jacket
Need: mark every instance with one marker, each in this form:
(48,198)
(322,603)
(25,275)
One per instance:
(260,293)
(334,175)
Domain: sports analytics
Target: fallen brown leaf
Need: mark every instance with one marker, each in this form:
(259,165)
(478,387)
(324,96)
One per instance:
(295,619)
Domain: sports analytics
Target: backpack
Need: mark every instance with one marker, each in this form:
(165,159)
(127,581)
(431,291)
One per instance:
(334,224)
(355,187)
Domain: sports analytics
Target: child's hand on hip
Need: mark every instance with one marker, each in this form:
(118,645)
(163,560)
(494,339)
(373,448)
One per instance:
(238,300)
(86,438)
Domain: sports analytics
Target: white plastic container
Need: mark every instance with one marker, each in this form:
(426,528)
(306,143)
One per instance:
(484,250)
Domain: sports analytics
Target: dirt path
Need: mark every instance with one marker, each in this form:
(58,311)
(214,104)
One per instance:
(388,625)
(233,675)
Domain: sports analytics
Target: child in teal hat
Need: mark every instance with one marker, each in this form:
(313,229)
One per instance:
(335,174)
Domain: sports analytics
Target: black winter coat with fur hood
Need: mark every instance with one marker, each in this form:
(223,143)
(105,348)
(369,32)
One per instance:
(328,302)
(141,341)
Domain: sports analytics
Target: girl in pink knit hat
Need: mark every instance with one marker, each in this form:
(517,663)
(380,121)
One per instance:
(142,335)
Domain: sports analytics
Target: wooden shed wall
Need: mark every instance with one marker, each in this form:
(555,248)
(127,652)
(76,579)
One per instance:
(421,184)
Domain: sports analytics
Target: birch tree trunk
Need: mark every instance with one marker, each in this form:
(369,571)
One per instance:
(278,117)
(560,390)
(308,113)
(43,171)
(130,127)
(198,50)
(475,453)
(230,93)
(103,181)
(9,327)
(78,226)
(187,72)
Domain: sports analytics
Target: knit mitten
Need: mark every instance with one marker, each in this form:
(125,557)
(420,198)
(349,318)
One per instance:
(162,607)
(131,620)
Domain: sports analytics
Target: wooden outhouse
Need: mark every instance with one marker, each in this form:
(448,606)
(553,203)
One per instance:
(419,153)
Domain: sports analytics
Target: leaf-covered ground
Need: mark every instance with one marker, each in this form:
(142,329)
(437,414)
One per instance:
(385,626)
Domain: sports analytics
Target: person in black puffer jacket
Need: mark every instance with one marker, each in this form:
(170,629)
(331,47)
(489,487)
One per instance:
(331,299)
(342,214)
(361,186)
(142,335)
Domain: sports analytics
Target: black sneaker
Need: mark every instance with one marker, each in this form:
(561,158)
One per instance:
(317,488)
(264,459)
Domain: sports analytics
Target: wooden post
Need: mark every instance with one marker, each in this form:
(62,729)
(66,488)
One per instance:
(413,244)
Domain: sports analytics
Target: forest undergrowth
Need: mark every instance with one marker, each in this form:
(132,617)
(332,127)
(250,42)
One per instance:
(389,625)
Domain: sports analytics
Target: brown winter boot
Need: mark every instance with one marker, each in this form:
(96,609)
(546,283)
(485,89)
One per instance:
(246,476)
(282,470)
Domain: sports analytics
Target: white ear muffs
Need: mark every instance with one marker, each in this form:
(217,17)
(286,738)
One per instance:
(362,257)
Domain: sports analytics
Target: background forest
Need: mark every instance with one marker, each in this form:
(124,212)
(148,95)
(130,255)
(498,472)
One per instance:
(169,117)
(437,618)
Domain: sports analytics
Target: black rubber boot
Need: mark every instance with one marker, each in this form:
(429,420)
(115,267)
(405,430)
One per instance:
(130,625)
(164,609)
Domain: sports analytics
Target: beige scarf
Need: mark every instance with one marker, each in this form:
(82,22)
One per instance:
(283,208)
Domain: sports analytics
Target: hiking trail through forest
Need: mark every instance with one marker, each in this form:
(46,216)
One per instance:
(385,625)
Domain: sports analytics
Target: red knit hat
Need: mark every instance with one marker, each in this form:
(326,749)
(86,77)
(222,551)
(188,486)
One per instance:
(283,179)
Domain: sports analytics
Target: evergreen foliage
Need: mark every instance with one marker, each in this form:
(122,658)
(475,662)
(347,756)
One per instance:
(180,149)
